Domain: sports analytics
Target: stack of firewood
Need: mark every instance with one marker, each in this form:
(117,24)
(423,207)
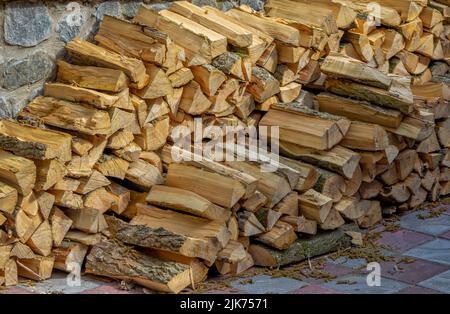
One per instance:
(88,176)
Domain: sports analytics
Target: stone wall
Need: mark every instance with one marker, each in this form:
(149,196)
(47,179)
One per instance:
(34,34)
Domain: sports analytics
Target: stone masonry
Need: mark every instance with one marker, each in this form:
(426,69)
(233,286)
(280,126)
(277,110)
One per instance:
(34,34)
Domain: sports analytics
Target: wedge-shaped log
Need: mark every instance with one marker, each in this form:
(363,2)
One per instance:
(162,239)
(159,84)
(281,236)
(236,35)
(306,128)
(8,198)
(397,97)
(87,219)
(92,77)
(414,128)
(200,43)
(67,253)
(306,15)
(308,173)
(85,53)
(209,78)
(359,110)
(182,176)
(301,224)
(48,173)
(279,31)
(338,159)
(365,136)
(274,185)
(130,40)
(84,95)
(18,172)
(143,174)
(314,206)
(34,142)
(263,85)
(38,268)
(340,66)
(186,201)
(133,265)
(187,225)
(68,115)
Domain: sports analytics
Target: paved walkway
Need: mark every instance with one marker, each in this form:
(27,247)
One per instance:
(413,252)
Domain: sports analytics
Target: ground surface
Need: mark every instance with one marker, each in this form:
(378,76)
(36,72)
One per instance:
(413,251)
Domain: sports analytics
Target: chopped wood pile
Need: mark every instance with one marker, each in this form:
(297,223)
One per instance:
(360,95)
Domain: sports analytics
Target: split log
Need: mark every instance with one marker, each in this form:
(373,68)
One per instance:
(359,110)
(267,217)
(190,226)
(60,225)
(38,268)
(263,85)
(339,66)
(85,53)
(186,201)
(351,207)
(256,201)
(34,143)
(288,205)
(326,132)
(8,198)
(70,116)
(314,206)
(143,174)
(333,221)
(338,159)
(301,224)
(18,172)
(87,220)
(209,78)
(200,43)
(249,225)
(330,184)
(48,173)
(231,190)
(162,239)
(397,97)
(98,78)
(236,35)
(365,136)
(303,248)
(69,254)
(278,31)
(372,215)
(138,267)
(41,241)
(281,236)
(159,84)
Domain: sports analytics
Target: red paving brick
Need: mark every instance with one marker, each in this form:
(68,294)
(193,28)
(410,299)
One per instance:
(111,289)
(417,290)
(446,235)
(403,239)
(314,289)
(328,269)
(412,273)
(16,290)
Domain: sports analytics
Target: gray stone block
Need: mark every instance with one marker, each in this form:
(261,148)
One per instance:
(130,8)
(20,72)
(26,24)
(5,108)
(70,24)
(109,8)
(254,4)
